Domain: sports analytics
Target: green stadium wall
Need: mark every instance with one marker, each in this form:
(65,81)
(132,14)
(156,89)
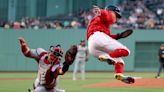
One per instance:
(143,44)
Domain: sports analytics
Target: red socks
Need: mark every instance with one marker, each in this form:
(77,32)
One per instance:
(118,68)
(119,53)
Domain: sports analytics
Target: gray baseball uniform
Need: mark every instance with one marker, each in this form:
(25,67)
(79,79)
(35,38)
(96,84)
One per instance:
(80,62)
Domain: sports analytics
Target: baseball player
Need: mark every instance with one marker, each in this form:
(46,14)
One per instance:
(161,60)
(103,45)
(48,64)
(81,57)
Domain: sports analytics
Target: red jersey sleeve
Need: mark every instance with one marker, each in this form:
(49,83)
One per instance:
(114,36)
(106,16)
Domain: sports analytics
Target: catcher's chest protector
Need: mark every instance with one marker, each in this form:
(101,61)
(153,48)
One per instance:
(46,73)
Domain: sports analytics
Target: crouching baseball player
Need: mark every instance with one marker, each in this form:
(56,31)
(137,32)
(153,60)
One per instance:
(48,64)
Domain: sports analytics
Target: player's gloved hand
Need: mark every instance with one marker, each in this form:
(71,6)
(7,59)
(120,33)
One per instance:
(124,34)
(24,48)
(71,54)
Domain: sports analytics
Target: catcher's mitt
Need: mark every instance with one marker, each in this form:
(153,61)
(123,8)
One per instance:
(70,54)
(125,34)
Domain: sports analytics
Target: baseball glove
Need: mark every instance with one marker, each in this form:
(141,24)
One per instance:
(71,54)
(124,34)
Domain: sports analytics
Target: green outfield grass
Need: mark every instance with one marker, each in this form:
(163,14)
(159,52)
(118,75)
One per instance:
(20,82)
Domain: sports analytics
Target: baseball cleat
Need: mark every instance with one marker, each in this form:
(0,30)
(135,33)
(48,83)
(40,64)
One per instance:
(29,90)
(157,77)
(104,58)
(60,90)
(125,79)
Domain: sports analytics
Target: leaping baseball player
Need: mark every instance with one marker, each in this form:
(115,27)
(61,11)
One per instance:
(105,46)
(48,64)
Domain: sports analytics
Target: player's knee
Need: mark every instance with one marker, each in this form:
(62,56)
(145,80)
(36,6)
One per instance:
(126,52)
(120,52)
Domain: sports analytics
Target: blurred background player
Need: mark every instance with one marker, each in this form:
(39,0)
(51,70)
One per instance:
(48,66)
(161,60)
(81,58)
(103,45)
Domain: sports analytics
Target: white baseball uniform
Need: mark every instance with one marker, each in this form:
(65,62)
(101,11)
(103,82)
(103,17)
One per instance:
(101,44)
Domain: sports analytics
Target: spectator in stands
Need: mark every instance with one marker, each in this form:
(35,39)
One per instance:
(66,24)
(7,25)
(150,24)
(58,25)
(16,25)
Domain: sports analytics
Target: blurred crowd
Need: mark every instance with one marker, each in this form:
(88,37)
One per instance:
(137,14)
(142,14)
(38,23)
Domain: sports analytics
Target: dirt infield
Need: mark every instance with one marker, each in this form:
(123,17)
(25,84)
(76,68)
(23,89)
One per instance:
(144,82)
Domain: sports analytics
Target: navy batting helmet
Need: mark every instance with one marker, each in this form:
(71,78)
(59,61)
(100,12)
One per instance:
(114,9)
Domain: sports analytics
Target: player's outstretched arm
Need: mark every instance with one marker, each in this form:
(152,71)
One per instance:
(24,48)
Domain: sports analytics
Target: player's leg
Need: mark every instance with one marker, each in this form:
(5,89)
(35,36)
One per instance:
(114,48)
(118,66)
(159,70)
(35,84)
(97,53)
(102,42)
(75,68)
(108,49)
(59,90)
(119,51)
(96,47)
(43,89)
(82,69)
(56,88)
(119,69)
